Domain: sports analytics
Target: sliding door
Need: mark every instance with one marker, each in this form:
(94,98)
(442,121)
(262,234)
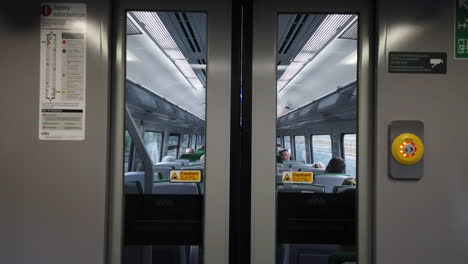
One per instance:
(311,132)
(169,174)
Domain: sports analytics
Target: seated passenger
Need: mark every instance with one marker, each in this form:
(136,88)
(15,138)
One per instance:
(140,167)
(349,181)
(336,165)
(284,155)
(168,159)
(318,165)
(189,151)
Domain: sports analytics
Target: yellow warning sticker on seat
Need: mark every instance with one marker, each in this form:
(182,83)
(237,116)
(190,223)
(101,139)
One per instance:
(297,177)
(185,176)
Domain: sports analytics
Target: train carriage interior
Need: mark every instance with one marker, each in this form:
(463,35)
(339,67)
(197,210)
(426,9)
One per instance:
(234,132)
(316,91)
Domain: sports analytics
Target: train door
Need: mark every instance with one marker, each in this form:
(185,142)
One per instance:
(170,130)
(311,90)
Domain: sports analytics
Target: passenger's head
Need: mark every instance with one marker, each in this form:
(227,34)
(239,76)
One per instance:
(189,150)
(140,167)
(318,165)
(349,181)
(201,147)
(284,154)
(168,159)
(336,165)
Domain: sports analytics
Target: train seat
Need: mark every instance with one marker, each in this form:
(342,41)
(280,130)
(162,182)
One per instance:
(279,178)
(281,170)
(171,254)
(308,253)
(139,176)
(133,187)
(301,188)
(175,165)
(289,163)
(343,257)
(166,254)
(135,176)
(184,162)
(192,167)
(201,187)
(163,171)
(132,254)
(313,170)
(196,255)
(192,156)
(342,188)
(297,167)
(330,180)
(175,188)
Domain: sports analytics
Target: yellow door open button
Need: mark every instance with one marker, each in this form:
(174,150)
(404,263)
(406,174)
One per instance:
(407,149)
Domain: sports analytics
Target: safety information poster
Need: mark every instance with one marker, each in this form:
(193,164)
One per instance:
(62,72)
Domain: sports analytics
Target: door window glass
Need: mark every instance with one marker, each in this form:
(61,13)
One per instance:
(166,82)
(316,95)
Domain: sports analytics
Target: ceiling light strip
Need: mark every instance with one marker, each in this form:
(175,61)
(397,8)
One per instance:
(155,28)
(327,30)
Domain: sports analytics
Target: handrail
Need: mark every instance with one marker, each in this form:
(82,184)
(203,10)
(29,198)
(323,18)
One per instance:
(142,152)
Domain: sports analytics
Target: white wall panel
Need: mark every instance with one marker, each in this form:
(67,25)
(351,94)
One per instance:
(52,193)
(422,221)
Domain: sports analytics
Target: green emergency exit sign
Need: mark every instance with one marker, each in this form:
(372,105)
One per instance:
(461,29)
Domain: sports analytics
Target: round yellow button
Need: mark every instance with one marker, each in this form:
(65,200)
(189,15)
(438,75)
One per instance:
(407,149)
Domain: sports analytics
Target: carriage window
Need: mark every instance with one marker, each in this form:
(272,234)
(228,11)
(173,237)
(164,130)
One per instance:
(153,143)
(299,148)
(279,146)
(200,142)
(173,146)
(193,142)
(321,148)
(128,151)
(287,144)
(185,144)
(349,150)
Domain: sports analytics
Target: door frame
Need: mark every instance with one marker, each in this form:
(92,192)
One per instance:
(263,210)
(218,111)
